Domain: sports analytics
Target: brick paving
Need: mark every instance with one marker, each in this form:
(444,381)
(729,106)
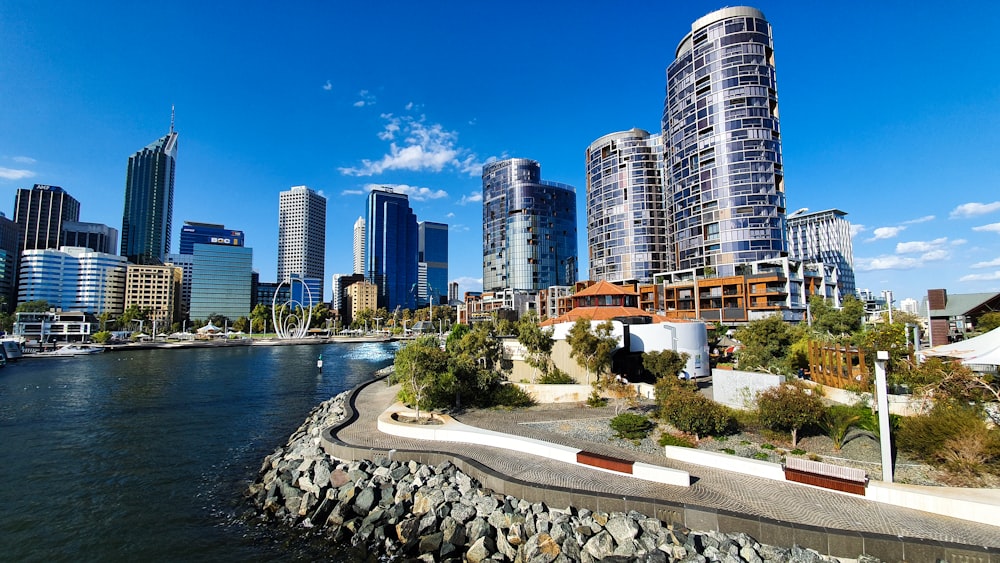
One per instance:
(711,488)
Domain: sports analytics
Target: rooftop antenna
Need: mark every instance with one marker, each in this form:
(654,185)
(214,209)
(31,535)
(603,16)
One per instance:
(171,118)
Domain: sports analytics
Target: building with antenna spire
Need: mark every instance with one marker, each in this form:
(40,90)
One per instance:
(149,200)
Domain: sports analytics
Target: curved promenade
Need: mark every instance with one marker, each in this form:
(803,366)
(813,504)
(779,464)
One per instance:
(772,512)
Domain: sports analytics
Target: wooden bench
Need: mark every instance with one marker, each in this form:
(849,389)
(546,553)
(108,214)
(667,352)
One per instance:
(826,475)
(604,462)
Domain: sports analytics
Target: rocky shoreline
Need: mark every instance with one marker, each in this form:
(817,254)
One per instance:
(411,511)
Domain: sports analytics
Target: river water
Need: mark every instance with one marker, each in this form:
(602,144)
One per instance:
(144,455)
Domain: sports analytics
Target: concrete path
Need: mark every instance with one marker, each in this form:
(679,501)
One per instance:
(711,488)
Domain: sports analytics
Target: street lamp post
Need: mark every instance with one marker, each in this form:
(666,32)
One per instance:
(881,359)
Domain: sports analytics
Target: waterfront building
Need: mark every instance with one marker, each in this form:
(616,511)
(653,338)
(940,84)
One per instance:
(359,246)
(340,284)
(155,290)
(40,214)
(302,236)
(359,296)
(824,236)
(432,258)
(186,263)
(9,253)
(529,228)
(722,145)
(73,279)
(149,201)
(391,248)
(207,233)
(53,326)
(95,236)
(627,235)
(220,282)
(265,294)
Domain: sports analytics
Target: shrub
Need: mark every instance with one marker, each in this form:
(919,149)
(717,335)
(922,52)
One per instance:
(767,446)
(729,451)
(101,337)
(798,451)
(761,456)
(596,400)
(815,457)
(631,426)
(667,439)
(837,422)
(687,410)
(511,396)
(953,436)
(556,377)
(788,408)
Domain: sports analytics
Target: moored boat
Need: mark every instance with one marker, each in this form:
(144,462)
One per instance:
(70,350)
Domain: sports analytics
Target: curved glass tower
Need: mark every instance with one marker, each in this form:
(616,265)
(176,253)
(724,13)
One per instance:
(149,202)
(722,144)
(529,228)
(626,222)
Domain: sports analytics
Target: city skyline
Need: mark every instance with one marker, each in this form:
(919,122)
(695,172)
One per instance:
(269,102)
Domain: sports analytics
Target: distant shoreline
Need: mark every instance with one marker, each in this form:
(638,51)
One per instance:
(226,343)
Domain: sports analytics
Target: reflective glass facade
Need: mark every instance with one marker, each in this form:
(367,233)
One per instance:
(41,212)
(73,279)
(205,233)
(824,236)
(149,202)
(722,144)
(220,281)
(391,248)
(529,228)
(433,256)
(627,233)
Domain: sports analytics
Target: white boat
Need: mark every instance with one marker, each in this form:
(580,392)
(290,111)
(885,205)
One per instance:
(11,348)
(71,350)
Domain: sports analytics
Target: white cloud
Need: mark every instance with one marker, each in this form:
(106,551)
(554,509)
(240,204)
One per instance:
(367,99)
(959,242)
(409,106)
(920,246)
(471,198)
(981,277)
(413,192)
(23,159)
(458,228)
(857,229)
(424,147)
(935,255)
(895,262)
(990,264)
(328,86)
(923,219)
(15,174)
(974,209)
(883,233)
(359,104)
(352,192)
(991,228)
(466,283)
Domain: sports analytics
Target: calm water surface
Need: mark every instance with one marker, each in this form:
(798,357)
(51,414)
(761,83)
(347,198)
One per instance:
(144,455)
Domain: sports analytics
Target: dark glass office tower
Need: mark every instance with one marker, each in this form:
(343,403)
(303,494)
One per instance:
(193,233)
(433,259)
(40,213)
(391,248)
(95,236)
(722,144)
(529,228)
(149,201)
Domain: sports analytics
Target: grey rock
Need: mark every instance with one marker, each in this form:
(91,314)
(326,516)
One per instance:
(480,550)
(321,474)
(462,512)
(600,546)
(804,555)
(364,502)
(749,554)
(407,531)
(517,534)
(560,532)
(540,548)
(453,532)
(622,528)
(476,528)
(430,542)
(504,547)
(398,472)
(426,500)
(485,505)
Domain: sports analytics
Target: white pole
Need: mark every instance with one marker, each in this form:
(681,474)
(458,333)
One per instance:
(881,359)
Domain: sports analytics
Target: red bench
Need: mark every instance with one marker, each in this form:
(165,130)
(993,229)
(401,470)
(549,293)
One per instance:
(604,462)
(826,475)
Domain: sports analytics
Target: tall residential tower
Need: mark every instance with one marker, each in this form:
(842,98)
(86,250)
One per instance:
(149,201)
(391,248)
(824,236)
(302,238)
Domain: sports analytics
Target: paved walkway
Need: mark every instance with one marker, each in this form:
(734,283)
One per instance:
(712,488)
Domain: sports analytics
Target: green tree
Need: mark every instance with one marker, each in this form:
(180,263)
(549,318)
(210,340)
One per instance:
(420,366)
(666,363)
(241,324)
(766,343)
(890,337)
(537,343)
(37,306)
(988,321)
(455,336)
(363,319)
(789,408)
(592,347)
(101,337)
(130,314)
(260,318)
(683,407)
(836,322)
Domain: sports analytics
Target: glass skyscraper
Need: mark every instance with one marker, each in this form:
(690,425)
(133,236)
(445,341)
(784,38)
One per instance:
(302,237)
(529,228)
(391,248)
(41,212)
(149,201)
(722,144)
(207,233)
(824,236)
(433,259)
(627,232)
(220,281)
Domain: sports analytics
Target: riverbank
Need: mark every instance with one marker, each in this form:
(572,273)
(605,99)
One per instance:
(235,342)
(438,513)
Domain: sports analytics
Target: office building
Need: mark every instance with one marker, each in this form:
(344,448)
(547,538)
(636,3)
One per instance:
(452,292)
(73,279)
(359,246)
(529,228)
(10,250)
(186,263)
(722,145)
(627,235)
(360,296)
(391,248)
(155,290)
(40,214)
(302,236)
(149,201)
(432,258)
(207,233)
(340,284)
(824,236)
(265,294)
(220,283)
(95,236)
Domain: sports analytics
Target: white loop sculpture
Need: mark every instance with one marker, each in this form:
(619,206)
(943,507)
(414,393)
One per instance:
(287,324)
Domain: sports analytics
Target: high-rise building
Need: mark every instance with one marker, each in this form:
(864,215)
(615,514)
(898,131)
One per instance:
(452,291)
(95,236)
(626,219)
(340,284)
(149,201)
(824,236)
(432,255)
(41,212)
(722,144)
(156,290)
(186,263)
(359,246)
(9,253)
(360,296)
(207,233)
(302,236)
(220,283)
(391,248)
(529,228)
(73,279)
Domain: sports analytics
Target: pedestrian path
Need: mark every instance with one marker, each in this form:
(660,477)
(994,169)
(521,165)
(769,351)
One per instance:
(711,488)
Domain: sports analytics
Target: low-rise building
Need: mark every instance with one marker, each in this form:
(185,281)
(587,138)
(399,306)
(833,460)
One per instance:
(155,290)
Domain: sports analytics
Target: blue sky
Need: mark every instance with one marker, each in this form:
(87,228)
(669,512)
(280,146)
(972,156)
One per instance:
(889,111)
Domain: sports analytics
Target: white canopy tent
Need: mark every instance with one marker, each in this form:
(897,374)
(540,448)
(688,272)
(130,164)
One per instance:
(983,349)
